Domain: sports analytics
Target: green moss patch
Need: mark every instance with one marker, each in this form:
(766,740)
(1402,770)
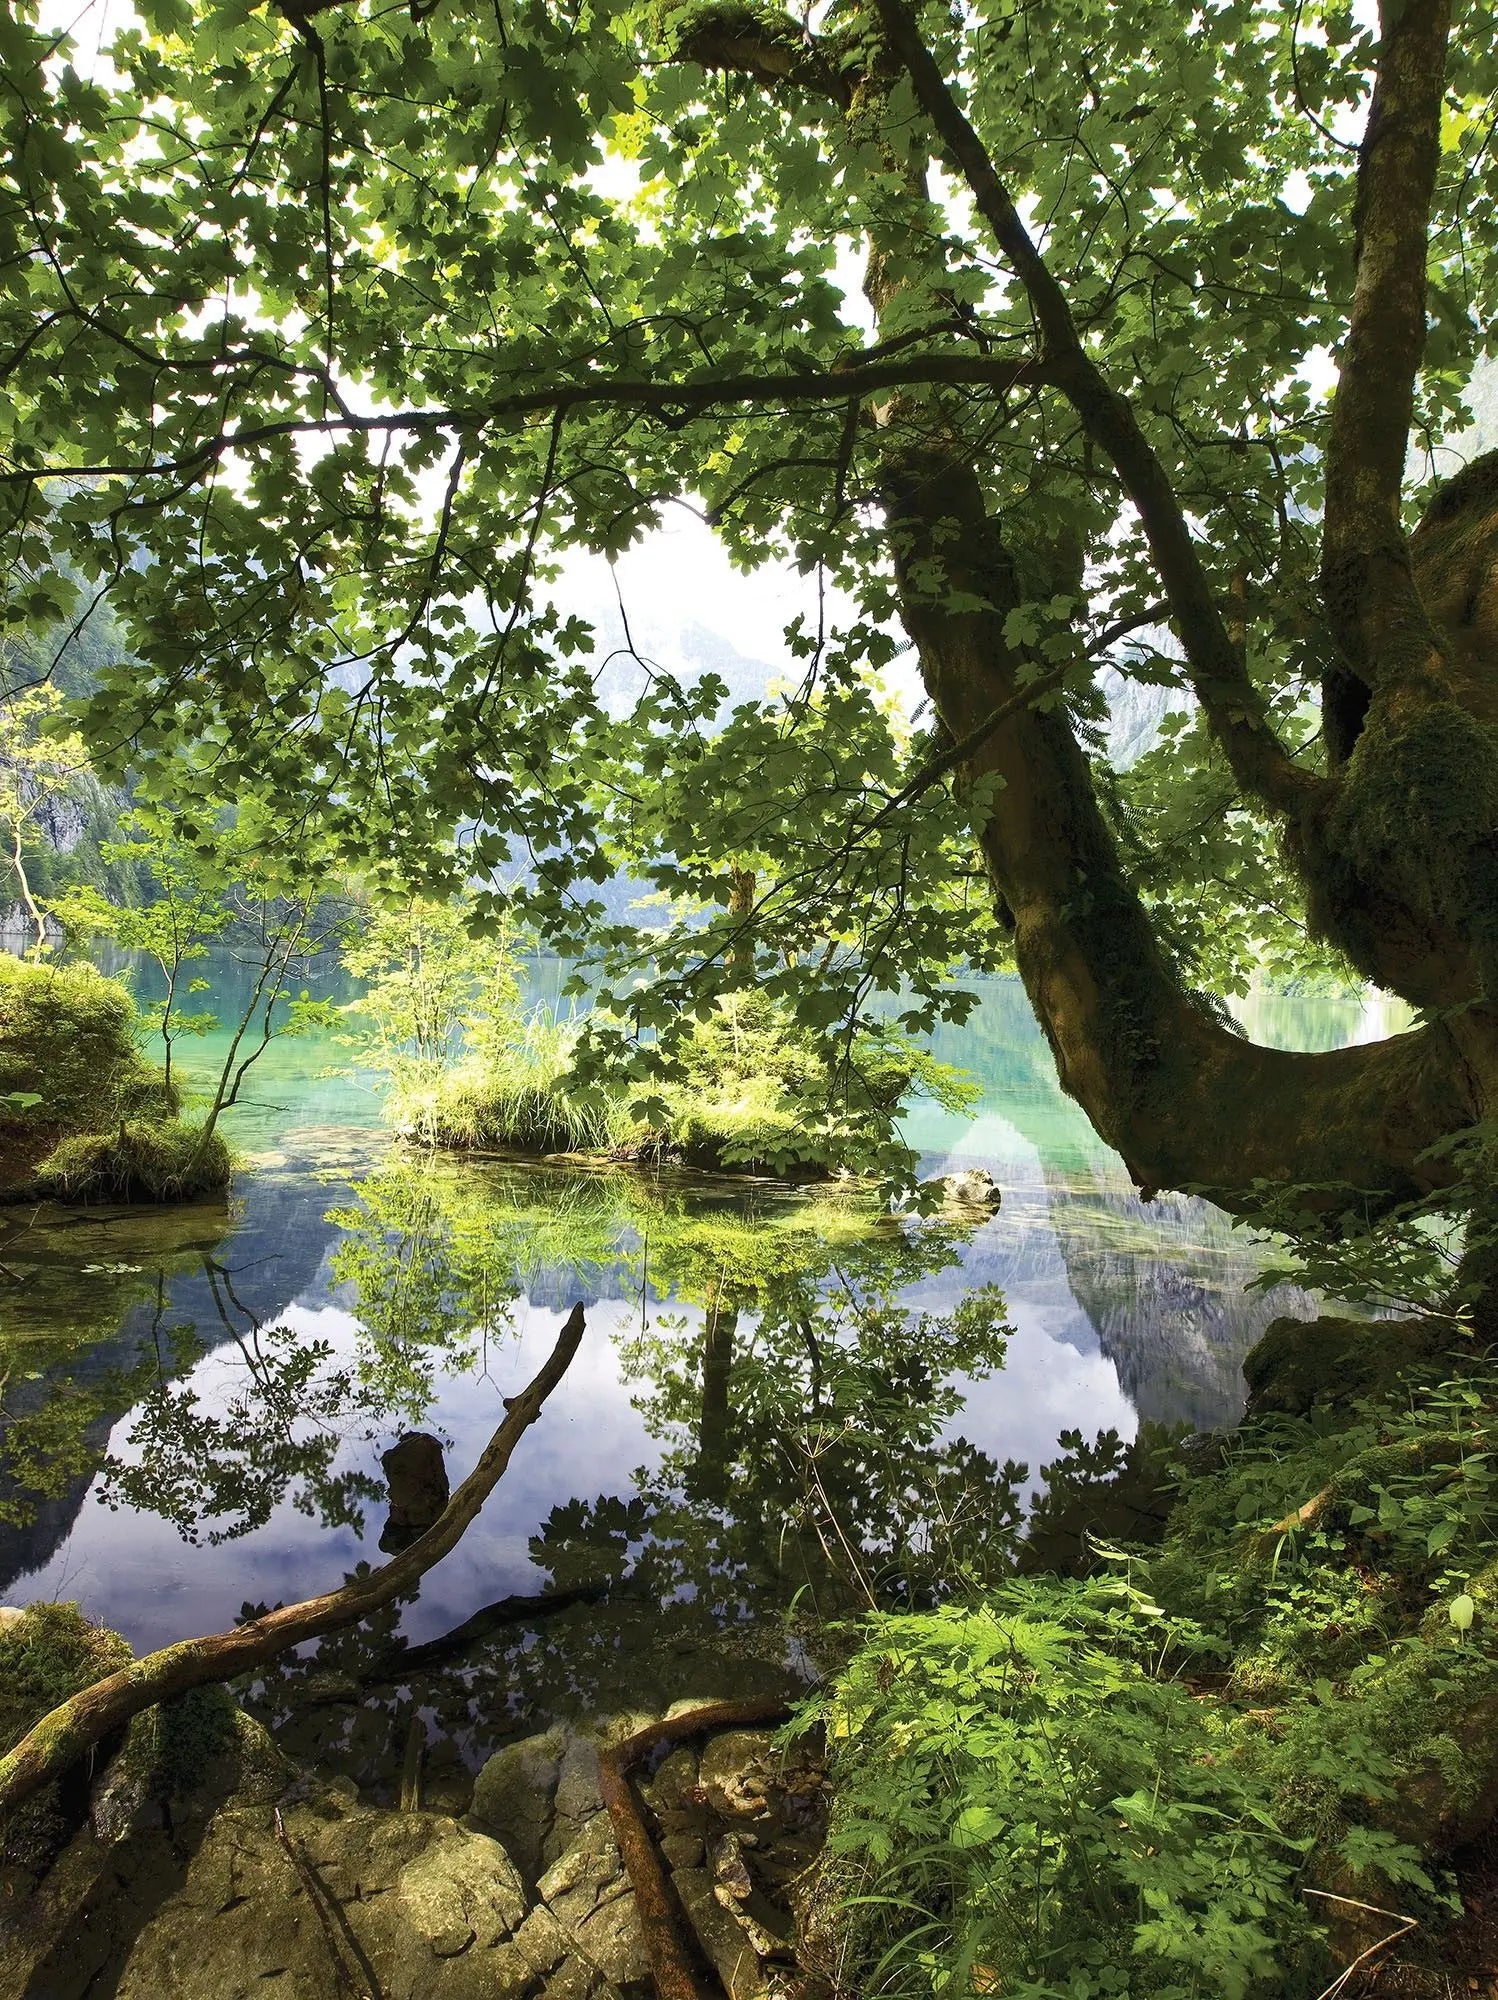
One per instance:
(48,1654)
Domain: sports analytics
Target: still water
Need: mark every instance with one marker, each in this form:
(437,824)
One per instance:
(774,1404)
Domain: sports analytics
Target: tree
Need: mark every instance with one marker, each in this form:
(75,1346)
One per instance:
(204,894)
(330,329)
(35,771)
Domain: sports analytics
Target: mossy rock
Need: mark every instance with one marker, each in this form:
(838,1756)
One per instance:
(1328,1364)
(47,1654)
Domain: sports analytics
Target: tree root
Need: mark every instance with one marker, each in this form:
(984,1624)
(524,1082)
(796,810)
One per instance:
(63,1736)
(676,1966)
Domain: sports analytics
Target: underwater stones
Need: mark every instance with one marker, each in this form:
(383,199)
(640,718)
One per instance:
(973,1193)
(416,1479)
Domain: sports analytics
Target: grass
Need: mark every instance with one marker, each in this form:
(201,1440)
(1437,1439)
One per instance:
(145,1161)
(519,1102)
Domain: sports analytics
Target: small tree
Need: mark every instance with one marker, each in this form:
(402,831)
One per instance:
(433,989)
(207,894)
(37,765)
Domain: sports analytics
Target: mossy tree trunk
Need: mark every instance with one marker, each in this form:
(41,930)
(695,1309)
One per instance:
(1396,841)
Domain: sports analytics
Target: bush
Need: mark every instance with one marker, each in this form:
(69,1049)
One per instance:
(140,1162)
(1177,1782)
(756,1093)
(68,1036)
(515,1098)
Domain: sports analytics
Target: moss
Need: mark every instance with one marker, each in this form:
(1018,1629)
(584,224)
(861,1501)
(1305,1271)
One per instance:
(48,1654)
(1329,1364)
(171,1746)
(139,1162)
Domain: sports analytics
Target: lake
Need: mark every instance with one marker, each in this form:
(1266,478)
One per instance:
(775,1415)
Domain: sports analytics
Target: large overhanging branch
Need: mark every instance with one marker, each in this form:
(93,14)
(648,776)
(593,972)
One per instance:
(1367,584)
(671,402)
(1219,677)
(74,1727)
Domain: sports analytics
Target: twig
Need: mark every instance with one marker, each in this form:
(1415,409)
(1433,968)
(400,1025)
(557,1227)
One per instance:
(1406,1925)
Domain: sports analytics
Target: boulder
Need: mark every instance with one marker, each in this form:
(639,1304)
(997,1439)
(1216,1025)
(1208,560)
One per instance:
(416,1480)
(514,1799)
(421,1902)
(975,1192)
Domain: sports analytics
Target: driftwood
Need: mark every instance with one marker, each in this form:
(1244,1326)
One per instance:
(63,1736)
(676,1968)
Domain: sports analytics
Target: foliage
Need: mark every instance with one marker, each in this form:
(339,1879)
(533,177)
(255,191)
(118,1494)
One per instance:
(529,283)
(70,1036)
(36,770)
(1031,1808)
(1127,1784)
(431,981)
(214,884)
(517,1091)
(749,1087)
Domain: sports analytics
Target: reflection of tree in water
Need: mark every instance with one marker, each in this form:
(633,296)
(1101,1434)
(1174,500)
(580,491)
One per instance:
(803,1413)
(79,1320)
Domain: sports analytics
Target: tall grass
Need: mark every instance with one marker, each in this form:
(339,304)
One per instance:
(516,1099)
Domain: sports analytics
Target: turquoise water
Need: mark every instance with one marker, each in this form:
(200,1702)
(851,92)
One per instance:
(197,1399)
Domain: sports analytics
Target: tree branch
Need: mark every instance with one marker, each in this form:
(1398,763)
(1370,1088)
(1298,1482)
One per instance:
(1215,665)
(671,401)
(63,1736)
(1367,584)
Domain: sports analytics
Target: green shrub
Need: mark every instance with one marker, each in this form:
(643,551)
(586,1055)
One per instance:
(1027,1807)
(1279,1722)
(513,1096)
(137,1162)
(756,1092)
(68,1036)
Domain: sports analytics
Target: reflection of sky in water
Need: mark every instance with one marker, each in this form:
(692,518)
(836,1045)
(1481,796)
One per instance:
(1118,1309)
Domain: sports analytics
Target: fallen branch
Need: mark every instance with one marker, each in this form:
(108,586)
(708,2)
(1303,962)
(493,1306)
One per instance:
(675,1967)
(74,1727)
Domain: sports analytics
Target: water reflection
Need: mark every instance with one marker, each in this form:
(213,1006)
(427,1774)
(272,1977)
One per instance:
(778,1394)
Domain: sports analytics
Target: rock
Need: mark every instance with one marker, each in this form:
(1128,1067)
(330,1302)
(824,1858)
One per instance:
(737,1772)
(416,1479)
(583,1877)
(514,1798)
(426,1903)
(1328,1363)
(723,1937)
(10,1614)
(682,1850)
(974,1192)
